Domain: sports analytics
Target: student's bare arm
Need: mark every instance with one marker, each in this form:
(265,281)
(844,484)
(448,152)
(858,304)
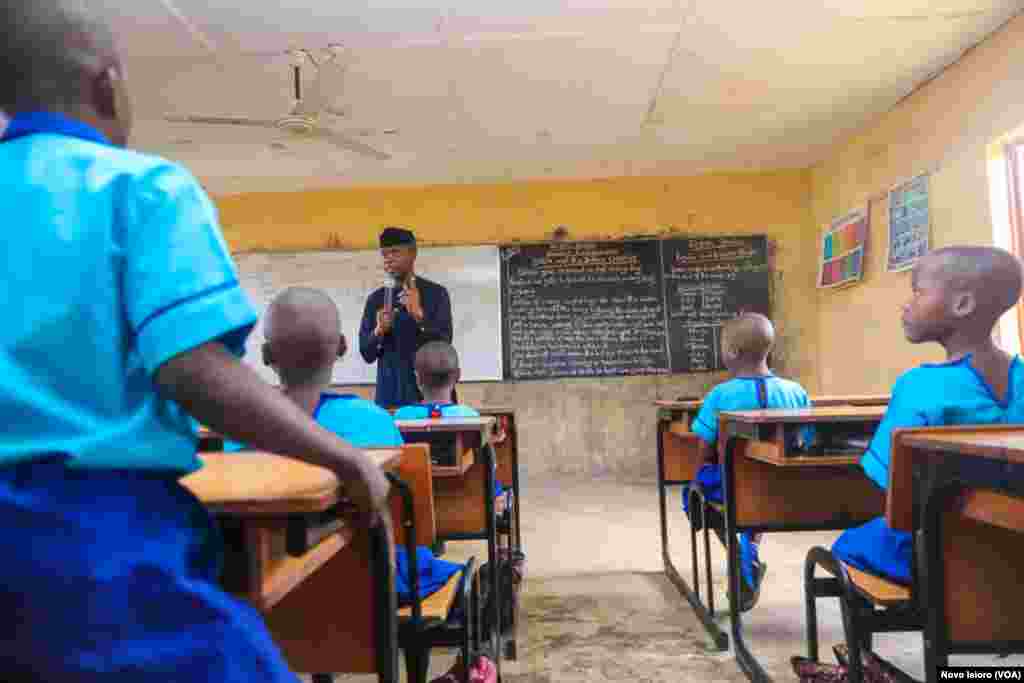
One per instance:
(229,397)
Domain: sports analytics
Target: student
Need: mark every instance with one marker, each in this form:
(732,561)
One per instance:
(958,295)
(123,322)
(746,342)
(437,372)
(303,342)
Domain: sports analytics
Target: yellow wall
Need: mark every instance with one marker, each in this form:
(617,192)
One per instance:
(949,124)
(767,203)
(585,427)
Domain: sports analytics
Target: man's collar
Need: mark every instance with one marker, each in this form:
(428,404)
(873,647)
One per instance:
(30,123)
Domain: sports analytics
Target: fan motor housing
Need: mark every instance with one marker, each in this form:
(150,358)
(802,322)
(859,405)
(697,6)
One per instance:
(296,124)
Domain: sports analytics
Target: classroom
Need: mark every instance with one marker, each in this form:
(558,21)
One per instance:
(515,255)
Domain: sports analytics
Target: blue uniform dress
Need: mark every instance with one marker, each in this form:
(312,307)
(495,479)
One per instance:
(113,264)
(930,395)
(364,424)
(742,393)
(395,353)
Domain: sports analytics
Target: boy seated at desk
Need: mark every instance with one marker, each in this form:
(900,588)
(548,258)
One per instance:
(303,342)
(746,342)
(108,353)
(437,373)
(302,328)
(958,295)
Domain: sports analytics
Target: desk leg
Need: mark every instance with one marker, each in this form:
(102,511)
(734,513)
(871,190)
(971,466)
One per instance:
(515,485)
(748,663)
(706,617)
(490,464)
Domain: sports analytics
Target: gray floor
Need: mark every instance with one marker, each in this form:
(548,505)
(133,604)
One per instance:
(601,537)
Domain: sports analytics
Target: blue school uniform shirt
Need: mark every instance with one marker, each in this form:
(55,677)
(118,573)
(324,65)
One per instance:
(748,393)
(742,393)
(113,264)
(422,412)
(933,394)
(942,394)
(362,423)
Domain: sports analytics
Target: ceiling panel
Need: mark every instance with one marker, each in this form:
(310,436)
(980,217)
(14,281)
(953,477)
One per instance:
(483,91)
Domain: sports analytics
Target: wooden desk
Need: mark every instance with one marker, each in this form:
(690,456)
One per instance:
(464,496)
(832,400)
(968,486)
(768,489)
(678,453)
(914,449)
(266,503)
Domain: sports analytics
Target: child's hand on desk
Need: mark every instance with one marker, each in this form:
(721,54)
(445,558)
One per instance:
(367,488)
(219,391)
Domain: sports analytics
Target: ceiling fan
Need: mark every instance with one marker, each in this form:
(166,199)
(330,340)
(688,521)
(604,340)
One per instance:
(304,119)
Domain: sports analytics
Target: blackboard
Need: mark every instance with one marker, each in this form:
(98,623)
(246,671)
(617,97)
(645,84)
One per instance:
(708,281)
(643,307)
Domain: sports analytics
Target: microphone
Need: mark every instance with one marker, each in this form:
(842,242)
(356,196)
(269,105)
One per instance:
(390,282)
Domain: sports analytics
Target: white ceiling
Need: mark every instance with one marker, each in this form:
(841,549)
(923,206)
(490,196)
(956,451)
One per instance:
(492,91)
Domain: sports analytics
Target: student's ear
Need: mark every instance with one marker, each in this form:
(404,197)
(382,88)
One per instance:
(964,304)
(268,357)
(111,102)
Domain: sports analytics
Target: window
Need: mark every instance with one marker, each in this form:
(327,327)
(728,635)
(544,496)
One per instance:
(1015,176)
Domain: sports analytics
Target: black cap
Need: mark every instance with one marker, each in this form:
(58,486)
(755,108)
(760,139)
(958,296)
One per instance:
(396,237)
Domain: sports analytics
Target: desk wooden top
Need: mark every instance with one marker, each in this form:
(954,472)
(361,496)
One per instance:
(252,483)
(823,401)
(826,400)
(692,404)
(446,424)
(496,410)
(994,442)
(846,413)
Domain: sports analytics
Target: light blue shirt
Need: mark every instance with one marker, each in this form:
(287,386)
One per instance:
(942,394)
(362,423)
(113,263)
(748,393)
(422,411)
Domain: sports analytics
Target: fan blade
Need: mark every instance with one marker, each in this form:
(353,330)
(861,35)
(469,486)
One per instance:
(222,121)
(351,145)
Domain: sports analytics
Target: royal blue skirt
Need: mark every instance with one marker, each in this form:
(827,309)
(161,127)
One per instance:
(113,576)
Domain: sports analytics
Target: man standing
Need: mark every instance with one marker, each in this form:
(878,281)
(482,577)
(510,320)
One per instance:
(398,320)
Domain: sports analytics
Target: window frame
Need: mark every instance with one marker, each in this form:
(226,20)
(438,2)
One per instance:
(1014,154)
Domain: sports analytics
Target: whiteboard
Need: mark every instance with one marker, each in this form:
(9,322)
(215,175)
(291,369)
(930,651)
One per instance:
(471,275)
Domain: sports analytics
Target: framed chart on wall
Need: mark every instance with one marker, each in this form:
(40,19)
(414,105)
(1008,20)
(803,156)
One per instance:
(842,249)
(909,224)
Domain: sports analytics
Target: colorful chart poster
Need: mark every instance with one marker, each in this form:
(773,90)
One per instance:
(842,249)
(908,224)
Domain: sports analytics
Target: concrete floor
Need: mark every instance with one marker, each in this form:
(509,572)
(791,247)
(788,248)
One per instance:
(601,536)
